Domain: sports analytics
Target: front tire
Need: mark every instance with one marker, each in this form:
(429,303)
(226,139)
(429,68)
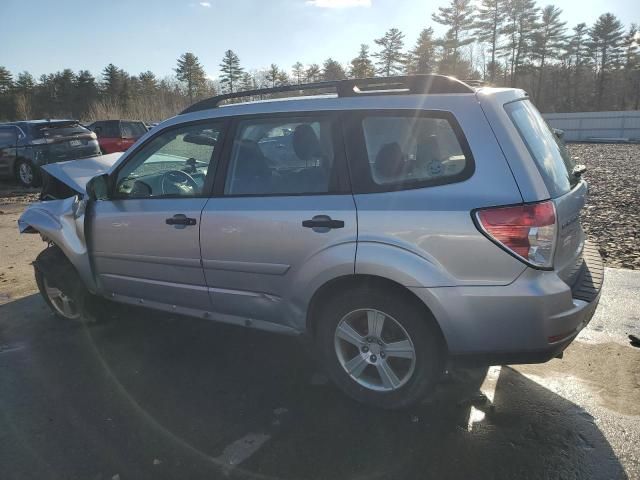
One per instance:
(61,287)
(380,348)
(27,174)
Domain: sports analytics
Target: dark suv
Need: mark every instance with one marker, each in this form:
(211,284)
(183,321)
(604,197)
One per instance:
(26,146)
(117,135)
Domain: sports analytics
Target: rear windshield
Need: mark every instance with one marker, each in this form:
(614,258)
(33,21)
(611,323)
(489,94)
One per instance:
(133,129)
(547,150)
(53,130)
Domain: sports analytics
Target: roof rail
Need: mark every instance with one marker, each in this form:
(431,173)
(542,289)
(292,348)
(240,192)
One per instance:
(413,84)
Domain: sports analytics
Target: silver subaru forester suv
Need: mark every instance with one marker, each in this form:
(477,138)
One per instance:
(404,224)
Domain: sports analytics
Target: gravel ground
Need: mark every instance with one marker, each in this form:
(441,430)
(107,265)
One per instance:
(612,216)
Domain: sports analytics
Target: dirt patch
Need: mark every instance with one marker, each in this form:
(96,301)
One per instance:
(610,370)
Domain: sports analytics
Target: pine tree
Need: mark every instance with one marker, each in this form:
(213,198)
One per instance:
(6,81)
(273,74)
(362,66)
(631,86)
(578,59)
(86,91)
(313,73)
(247,82)
(332,70)
(112,81)
(549,41)
(390,57)
(458,16)
(519,29)
(605,45)
(148,83)
(298,72)
(490,20)
(191,74)
(422,58)
(231,70)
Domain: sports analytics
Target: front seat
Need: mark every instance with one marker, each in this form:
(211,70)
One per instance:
(389,165)
(314,177)
(252,174)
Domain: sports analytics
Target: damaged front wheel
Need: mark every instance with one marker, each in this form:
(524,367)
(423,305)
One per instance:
(62,288)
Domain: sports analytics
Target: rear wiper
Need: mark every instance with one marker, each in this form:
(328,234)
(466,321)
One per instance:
(578,170)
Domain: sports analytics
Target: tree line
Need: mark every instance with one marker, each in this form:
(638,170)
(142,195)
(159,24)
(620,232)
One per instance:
(511,43)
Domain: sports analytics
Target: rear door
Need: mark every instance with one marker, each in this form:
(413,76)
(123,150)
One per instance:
(145,241)
(282,203)
(8,139)
(566,189)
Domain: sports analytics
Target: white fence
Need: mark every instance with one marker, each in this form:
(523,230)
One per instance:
(584,126)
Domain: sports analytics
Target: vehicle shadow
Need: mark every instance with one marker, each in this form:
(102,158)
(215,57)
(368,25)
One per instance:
(147,395)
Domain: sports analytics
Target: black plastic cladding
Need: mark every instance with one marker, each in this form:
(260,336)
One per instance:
(412,84)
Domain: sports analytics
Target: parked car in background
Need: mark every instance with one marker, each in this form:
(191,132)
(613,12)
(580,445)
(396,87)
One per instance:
(403,224)
(26,146)
(117,135)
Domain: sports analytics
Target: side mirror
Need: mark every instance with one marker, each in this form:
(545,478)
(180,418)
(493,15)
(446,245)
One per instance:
(558,133)
(98,187)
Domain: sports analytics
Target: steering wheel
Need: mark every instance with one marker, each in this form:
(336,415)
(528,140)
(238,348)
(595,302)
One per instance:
(179,180)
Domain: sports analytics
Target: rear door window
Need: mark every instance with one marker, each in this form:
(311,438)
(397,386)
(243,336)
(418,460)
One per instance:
(283,156)
(404,150)
(549,153)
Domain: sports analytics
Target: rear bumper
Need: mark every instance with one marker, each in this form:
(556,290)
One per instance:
(531,320)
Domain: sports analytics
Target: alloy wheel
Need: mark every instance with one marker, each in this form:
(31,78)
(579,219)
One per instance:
(375,350)
(25,172)
(62,303)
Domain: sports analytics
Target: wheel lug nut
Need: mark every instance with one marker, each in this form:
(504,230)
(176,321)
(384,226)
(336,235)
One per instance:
(365,349)
(369,340)
(380,342)
(373,358)
(382,355)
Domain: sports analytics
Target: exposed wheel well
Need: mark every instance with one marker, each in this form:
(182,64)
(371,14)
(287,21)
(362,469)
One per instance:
(341,284)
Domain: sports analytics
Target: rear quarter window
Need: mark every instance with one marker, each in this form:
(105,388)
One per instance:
(549,153)
(404,150)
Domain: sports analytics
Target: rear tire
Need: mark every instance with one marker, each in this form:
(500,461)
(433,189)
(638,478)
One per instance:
(27,174)
(62,289)
(380,348)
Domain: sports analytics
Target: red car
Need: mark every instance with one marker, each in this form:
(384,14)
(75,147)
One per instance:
(117,135)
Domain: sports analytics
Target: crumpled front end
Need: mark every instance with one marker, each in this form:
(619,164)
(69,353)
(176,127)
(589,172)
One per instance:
(62,223)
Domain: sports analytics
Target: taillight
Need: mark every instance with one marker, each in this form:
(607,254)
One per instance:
(528,231)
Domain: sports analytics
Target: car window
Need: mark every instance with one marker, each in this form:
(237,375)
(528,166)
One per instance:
(281,156)
(547,150)
(57,130)
(405,150)
(174,163)
(133,129)
(7,136)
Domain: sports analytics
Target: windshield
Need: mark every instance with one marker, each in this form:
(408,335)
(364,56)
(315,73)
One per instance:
(547,150)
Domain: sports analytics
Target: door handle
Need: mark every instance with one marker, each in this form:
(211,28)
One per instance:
(180,219)
(323,221)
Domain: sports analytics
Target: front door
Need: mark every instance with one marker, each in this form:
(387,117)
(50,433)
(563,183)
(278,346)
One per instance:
(145,240)
(282,209)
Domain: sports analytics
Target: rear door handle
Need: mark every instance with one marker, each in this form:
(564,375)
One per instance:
(323,221)
(180,219)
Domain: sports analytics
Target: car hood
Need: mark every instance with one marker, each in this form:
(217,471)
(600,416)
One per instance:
(77,173)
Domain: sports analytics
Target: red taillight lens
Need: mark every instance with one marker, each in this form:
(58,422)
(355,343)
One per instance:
(529,231)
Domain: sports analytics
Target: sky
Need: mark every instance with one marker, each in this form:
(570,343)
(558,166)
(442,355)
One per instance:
(139,35)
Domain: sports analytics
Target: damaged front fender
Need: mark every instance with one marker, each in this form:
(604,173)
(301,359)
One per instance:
(62,222)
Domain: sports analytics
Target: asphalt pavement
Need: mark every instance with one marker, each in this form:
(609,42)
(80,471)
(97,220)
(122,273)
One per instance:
(152,396)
